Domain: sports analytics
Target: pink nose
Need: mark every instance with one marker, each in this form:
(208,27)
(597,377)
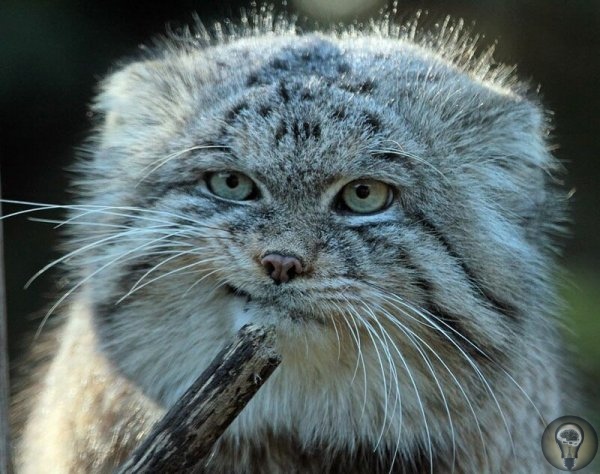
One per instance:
(281,268)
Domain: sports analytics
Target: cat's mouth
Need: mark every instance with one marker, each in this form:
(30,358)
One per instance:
(239,293)
(280,310)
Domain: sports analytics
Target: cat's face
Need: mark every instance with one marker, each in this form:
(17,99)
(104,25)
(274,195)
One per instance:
(412,201)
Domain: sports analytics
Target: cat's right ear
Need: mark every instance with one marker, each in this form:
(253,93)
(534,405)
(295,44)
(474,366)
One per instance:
(132,103)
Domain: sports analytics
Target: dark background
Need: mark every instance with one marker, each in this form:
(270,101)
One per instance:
(52,53)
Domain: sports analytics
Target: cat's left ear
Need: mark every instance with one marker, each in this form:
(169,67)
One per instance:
(508,129)
(514,162)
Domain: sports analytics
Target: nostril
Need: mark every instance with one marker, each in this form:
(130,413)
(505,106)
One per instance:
(291,273)
(281,268)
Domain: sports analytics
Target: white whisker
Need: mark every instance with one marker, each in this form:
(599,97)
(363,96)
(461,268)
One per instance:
(411,336)
(419,400)
(200,280)
(90,246)
(386,390)
(402,153)
(428,316)
(171,156)
(114,211)
(359,357)
(165,275)
(88,277)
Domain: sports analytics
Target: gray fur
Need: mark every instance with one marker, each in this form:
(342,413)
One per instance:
(419,337)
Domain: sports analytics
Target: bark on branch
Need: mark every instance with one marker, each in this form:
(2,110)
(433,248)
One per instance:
(184,437)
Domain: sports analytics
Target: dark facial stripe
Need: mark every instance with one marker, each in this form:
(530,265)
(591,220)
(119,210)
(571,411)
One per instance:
(380,461)
(106,311)
(303,131)
(253,80)
(283,92)
(493,301)
(372,121)
(159,190)
(450,327)
(319,457)
(265,110)
(365,87)
(375,239)
(449,324)
(232,114)
(396,157)
(339,113)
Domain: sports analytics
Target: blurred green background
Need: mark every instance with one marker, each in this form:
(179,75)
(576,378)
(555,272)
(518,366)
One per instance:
(53,52)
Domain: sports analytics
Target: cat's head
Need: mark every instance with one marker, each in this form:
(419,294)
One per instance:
(411,194)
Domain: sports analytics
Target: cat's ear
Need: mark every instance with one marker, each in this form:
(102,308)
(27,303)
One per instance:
(521,128)
(508,132)
(136,102)
(514,157)
(119,94)
(507,128)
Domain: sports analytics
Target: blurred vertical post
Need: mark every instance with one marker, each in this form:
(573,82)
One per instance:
(5,464)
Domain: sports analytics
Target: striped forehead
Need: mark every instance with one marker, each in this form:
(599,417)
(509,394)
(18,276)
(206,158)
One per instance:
(298,129)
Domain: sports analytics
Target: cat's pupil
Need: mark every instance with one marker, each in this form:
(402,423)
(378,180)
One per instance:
(362,191)
(232,181)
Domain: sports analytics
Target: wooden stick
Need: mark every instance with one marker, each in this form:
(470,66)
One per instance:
(5,463)
(185,435)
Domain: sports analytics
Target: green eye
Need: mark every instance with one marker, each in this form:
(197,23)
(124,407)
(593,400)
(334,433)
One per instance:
(366,196)
(231,185)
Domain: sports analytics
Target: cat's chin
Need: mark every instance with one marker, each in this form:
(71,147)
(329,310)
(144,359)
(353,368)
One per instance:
(250,309)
